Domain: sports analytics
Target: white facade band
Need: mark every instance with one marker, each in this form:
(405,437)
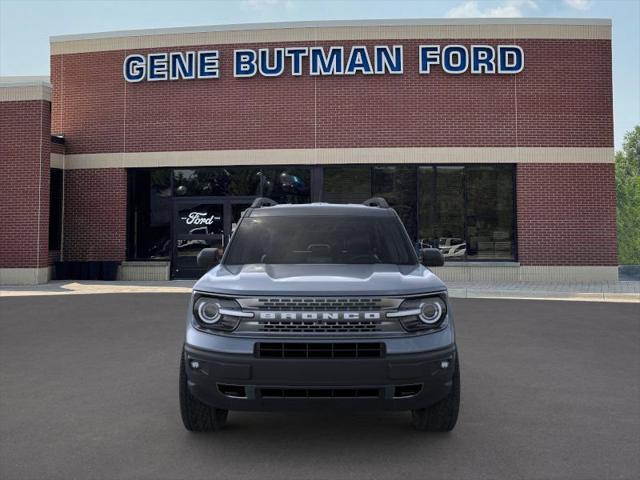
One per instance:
(433,29)
(10,92)
(337,156)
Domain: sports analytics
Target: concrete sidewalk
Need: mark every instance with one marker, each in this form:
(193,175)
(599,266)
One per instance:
(594,292)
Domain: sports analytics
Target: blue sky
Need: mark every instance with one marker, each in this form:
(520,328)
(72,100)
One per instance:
(25,26)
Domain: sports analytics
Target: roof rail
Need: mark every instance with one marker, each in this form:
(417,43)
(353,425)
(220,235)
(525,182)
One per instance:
(263,202)
(376,202)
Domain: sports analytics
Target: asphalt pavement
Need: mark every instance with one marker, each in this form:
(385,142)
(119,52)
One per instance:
(88,389)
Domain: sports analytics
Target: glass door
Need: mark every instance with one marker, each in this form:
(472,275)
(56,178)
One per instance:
(202,223)
(236,209)
(196,225)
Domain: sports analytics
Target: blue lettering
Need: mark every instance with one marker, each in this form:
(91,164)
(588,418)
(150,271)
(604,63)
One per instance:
(133,68)
(455,59)
(157,67)
(182,65)
(271,62)
(296,55)
(359,61)
(385,61)
(483,59)
(208,64)
(331,64)
(510,59)
(429,55)
(244,63)
(277,68)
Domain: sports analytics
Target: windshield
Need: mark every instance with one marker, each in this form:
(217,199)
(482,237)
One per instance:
(337,239)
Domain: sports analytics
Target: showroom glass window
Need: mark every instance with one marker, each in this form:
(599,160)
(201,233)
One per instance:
(282,184)
(489,213)
(55,209)
(442,210)
(355,184)
(149,214)
(467,211)
(397,185)
(346,184)
(286,184)
(151,193)
(216,181)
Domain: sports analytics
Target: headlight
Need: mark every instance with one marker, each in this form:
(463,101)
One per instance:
(217,313)
(421,313)
(208,310)
(431,311)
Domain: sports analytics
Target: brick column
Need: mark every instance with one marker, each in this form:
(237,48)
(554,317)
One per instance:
(567,216)
(25,123)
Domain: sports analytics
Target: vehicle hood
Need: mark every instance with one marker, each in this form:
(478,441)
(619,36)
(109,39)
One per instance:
(261,279)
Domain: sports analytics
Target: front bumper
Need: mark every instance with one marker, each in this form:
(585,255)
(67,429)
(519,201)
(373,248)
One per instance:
(245,382)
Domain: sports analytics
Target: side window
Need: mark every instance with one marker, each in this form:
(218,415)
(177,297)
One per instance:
(490,223)
(149,229)
(347,184)
(55,209)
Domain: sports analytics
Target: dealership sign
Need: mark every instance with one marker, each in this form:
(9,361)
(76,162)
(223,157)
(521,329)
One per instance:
(325,61)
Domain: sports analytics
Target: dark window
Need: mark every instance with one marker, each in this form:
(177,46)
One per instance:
(151,193)
(467,211)
(349,184)
(426,207)
(321,239)
(149,230)
(286,184)
(442,210)
(55,209)
(355,184)
(397,185)
(490,227)
(218,181)
(282,184)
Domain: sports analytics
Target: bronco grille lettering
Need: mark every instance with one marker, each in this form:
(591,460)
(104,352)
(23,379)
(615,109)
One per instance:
(319,315)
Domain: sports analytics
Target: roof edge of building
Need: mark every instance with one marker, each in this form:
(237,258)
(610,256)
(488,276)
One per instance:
(333,24)
(25,89)
(25,81)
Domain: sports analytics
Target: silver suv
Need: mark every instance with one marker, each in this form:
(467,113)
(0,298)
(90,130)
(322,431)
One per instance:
(319,306)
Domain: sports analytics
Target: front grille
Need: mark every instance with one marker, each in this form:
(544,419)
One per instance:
(320,392)
(319,326)
(318,304)
(327,315)
(319,350)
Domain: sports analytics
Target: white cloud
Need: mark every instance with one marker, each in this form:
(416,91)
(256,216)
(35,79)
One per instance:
(508,8)
(578,4)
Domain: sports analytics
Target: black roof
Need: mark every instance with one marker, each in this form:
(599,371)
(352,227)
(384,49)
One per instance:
(335,209)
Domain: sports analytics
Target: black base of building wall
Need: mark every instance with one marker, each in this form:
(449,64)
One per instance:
(93,270)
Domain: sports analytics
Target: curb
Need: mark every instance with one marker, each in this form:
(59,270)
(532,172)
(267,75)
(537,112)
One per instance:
(480,293)
(542,295)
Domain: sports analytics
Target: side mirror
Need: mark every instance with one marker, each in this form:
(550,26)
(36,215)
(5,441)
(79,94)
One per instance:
(431,257)
(208,258)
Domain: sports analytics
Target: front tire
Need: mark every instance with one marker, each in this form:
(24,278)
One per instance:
(441,416)
(196,415)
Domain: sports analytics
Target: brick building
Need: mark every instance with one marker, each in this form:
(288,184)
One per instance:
(493,139)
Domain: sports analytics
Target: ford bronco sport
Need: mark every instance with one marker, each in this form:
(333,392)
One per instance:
(319,306)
